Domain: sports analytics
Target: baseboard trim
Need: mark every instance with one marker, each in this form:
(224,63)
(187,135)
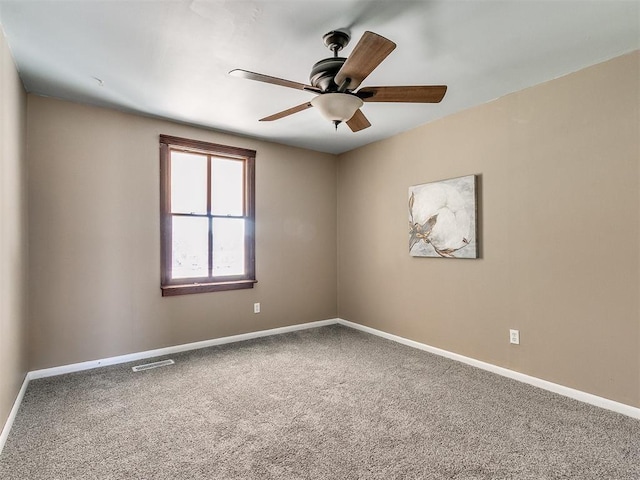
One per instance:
(505,372)
(159,352)
(537,382)
(132,357)
(12,414)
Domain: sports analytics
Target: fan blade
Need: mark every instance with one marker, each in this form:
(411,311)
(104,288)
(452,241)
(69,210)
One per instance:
(370,51)
(272,80)
(285,113)
(415,94)
(358,121)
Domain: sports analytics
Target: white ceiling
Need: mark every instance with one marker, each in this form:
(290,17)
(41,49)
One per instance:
(171,58)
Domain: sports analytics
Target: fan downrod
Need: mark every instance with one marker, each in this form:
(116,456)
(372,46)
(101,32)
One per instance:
(325,70)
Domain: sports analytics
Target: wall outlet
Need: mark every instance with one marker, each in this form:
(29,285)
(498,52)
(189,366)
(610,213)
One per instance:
(256,308)
(514,337)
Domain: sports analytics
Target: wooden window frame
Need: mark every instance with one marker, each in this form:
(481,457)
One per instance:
(211,283)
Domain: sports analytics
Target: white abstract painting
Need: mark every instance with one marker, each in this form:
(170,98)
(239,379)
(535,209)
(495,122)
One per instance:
(442,219)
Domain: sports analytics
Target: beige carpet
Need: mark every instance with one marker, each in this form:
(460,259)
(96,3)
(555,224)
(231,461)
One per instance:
(328,403)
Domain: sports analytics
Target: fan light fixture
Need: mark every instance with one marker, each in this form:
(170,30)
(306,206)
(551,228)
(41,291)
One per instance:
(336,82)
(337,107)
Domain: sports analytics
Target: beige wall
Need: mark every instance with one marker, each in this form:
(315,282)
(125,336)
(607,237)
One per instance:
(94,238)
(13,232)
(559,226)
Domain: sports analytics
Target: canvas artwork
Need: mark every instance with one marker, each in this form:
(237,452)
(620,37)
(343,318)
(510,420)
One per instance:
(442,219)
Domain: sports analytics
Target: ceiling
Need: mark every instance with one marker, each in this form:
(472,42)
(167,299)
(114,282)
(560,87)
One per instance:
(170,59)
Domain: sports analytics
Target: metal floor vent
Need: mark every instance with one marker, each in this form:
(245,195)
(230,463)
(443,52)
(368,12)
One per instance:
(149,366)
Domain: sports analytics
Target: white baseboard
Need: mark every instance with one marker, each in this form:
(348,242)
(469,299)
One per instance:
(132,357)
(537,382)
(505,372)
(12,415)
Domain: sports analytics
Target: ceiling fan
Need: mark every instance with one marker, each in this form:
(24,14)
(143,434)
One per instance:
(335,79)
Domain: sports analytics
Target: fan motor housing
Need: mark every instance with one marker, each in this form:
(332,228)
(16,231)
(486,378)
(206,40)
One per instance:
(323,73)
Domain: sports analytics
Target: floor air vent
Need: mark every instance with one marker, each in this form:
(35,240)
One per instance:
(149,366)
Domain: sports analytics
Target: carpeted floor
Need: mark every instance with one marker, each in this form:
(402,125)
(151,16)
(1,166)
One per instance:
(327,403)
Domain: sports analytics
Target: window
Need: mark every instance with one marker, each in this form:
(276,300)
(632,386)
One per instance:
(207,214)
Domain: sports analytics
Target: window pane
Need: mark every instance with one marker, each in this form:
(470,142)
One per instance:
(190,249)
(228,246)
(227,187)
(188,183)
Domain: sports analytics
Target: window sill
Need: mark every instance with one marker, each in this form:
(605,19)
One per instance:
(172,290)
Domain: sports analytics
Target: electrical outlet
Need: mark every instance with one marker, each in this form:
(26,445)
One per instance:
(514,337)
(256,308)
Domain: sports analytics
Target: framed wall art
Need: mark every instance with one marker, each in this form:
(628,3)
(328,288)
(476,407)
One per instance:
(443,218)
